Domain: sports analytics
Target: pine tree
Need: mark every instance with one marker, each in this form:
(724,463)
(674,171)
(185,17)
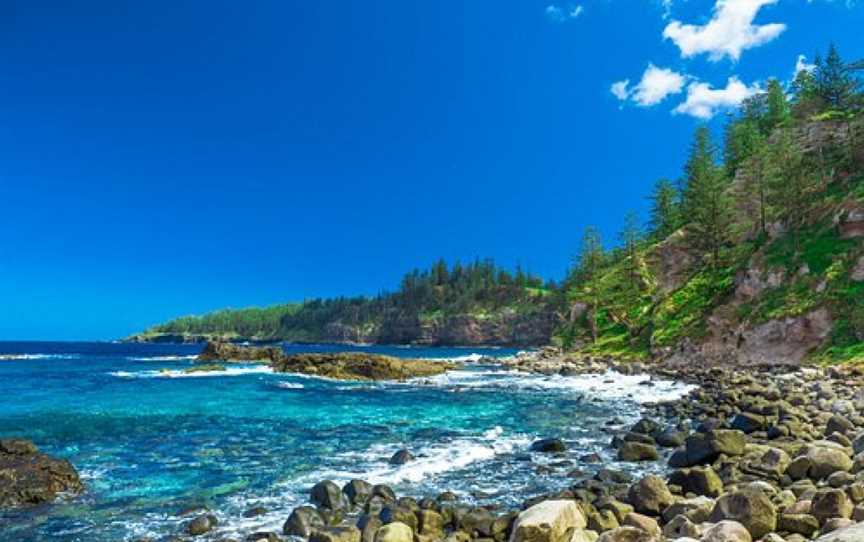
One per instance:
(751,190)
(630,236)
(834,82)
(591,253)
(665,216)
(790,182)
(707,205)
(778,107)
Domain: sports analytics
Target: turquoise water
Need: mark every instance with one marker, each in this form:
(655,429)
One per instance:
(151,443)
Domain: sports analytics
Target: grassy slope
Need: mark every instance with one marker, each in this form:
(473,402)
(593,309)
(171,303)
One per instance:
(633,316)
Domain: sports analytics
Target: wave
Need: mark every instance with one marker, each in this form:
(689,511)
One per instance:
(18,357)
(290,385)
(162,358)
(608,386)
(179,373)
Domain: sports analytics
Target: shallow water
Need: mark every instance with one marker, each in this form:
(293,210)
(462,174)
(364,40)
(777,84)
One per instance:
(151,441)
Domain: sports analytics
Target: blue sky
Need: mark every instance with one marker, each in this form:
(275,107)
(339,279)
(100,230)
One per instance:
(167,158)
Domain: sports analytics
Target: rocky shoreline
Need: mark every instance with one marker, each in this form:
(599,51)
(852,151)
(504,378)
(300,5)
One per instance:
(772,454)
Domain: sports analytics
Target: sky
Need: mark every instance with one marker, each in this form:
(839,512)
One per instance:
(169,158)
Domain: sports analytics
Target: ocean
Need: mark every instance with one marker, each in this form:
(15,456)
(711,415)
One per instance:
(151,441)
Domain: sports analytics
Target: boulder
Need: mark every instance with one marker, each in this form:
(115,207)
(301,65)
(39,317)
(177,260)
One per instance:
(201,525)
(643,523)
(831,503)
(344,533)
(650,495)
(627,534)
(803,524)
(699,481)
(637,451)
(359,366)
(727,531)
(329,496)
(748,422)
(401,457)
(357,491)
(549,446)
(302,521)
(548,521)
(853,533)
(825,461)
(749,507)
(29,477)
(394,532)
(705,448)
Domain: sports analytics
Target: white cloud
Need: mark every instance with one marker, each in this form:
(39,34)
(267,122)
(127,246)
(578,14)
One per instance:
(801,64)
(656,84)
(559,15)
(620,90)
(703,102)
(729,31)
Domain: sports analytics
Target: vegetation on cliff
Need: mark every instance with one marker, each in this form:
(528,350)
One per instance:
(762,246)
(480,290)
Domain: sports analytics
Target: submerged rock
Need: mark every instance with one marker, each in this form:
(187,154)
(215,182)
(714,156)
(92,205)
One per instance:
(549,446)
(29,477)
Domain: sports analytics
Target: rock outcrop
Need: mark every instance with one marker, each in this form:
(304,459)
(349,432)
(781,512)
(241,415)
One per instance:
(29,477)
(359,366)
(225,351)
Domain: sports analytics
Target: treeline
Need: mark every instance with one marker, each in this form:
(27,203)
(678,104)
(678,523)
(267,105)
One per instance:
(477,287)
(761,177)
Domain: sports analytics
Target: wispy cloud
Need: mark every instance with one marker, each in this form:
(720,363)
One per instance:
(801,65)
(703,101)
(655,86)
(728,33)
(560,14)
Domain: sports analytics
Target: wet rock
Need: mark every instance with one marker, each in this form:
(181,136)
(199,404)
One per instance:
(368,525)
(650,495)
(357,492)
(328,495)
(201,525)
(302,521)
(671,438)
(29,477)
(401,457)
(548,521)
(263,536)
(255,512)
(705,448)
(747,422)
(383,491)
(548,446)
(749,507)
(637,451)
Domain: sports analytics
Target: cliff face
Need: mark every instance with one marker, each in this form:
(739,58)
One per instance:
(507,328)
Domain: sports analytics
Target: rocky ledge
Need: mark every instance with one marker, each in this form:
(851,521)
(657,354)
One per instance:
(337,365)
(360,366)
(29,477)
(225,351)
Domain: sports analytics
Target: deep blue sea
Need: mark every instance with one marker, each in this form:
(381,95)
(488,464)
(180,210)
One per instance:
(151,441)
